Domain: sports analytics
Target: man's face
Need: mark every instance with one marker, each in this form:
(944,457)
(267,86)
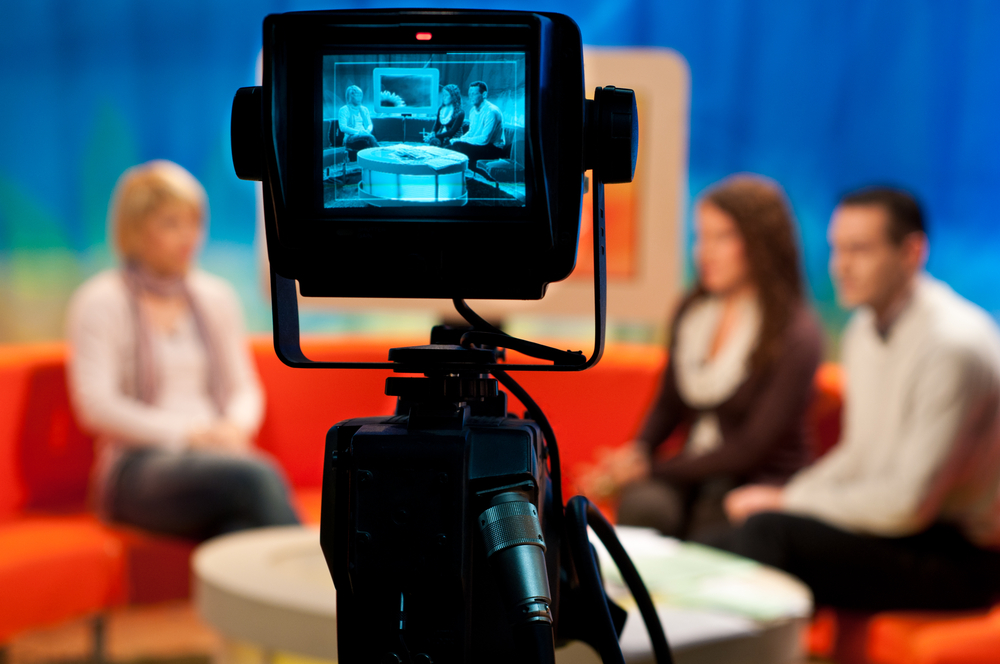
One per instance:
(867,267)
(354,98)
(476,95)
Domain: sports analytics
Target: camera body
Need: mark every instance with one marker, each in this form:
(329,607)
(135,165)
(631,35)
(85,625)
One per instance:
(403,540)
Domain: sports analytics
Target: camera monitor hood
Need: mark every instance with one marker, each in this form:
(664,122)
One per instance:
(359,201)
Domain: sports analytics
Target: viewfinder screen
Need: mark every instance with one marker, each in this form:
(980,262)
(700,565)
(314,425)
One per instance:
(424,130)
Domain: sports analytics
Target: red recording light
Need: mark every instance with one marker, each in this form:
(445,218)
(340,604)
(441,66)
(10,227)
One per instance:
(423,36)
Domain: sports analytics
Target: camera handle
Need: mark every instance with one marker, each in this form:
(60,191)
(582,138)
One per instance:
(611,138)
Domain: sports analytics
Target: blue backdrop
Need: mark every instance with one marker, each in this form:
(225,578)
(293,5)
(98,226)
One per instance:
(821,96)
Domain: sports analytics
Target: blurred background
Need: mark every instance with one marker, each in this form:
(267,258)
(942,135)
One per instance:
(821,96)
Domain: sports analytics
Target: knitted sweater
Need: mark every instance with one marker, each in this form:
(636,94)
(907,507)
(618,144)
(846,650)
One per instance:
(921,436)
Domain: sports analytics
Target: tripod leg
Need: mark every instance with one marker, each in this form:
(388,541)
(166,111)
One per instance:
(99,639)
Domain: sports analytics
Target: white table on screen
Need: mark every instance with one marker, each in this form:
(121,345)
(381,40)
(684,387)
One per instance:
(271,589)
(405,174)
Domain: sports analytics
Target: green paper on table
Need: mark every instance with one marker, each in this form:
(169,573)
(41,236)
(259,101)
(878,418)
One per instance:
(684,574)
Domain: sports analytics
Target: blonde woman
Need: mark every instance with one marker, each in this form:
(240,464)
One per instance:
(161,373)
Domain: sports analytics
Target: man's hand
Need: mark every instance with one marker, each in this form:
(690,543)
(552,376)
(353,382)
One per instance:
(614,469)
(223,435)
(746,501)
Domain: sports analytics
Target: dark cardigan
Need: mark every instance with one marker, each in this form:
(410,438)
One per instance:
(765,434)
(445,132)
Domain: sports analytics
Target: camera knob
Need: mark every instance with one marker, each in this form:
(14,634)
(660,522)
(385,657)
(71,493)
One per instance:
(611,135)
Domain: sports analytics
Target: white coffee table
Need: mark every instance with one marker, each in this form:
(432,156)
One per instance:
(412,175)
(270,589)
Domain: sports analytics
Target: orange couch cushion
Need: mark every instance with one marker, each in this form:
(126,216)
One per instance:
(54,568)
(302,404)
(826,407)
(309,504)
(13,392)
(55,455)
(934,638)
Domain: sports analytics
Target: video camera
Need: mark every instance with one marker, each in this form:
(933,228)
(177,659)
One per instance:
(443,525)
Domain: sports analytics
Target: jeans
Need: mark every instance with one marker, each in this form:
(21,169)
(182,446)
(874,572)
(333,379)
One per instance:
(476,152)
(359,142)
(198,494)
(937,569)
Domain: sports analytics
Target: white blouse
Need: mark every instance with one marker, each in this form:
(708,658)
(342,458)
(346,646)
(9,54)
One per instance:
(101,369)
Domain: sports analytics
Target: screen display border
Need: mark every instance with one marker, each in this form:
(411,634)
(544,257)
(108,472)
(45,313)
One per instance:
(443,213)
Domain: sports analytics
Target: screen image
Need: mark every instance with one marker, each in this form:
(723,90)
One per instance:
(424,130)
(406,90)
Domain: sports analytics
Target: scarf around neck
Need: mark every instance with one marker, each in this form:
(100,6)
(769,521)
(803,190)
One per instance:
(705,382)
(445,113)
(139,281)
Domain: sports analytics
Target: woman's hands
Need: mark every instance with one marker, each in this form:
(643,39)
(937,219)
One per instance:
(614,469)
(223,436)
(744,502)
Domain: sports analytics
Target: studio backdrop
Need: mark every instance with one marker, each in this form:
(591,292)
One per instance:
(821,96)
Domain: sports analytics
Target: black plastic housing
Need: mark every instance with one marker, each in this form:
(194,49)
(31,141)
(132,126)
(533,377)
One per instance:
(464,252)
(402,532)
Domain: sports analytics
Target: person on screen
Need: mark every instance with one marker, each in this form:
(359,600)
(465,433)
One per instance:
(450,117)
(356,122)
(159,370)
(485,139)
(902,513)
(745,346)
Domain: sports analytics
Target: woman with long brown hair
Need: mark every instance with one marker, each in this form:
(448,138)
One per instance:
(743,351)
(449,118)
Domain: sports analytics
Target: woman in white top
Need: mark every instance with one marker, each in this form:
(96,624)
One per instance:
(161,373)
(356,122)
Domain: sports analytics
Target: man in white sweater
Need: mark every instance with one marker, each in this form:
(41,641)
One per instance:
(903,512)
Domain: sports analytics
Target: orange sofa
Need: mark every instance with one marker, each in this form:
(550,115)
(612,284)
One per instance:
(58,562)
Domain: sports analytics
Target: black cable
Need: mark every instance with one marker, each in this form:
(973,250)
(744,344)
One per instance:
(529,348)
(606,533)
(535,642)
(602,636)
(580,513)
(474,319)
(552,448)
(555,470)
(485,333)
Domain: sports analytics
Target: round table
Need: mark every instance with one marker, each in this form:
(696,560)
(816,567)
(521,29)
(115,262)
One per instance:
(270,589)
(412,175)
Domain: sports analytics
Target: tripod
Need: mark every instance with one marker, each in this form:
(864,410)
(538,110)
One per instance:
(445,537)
